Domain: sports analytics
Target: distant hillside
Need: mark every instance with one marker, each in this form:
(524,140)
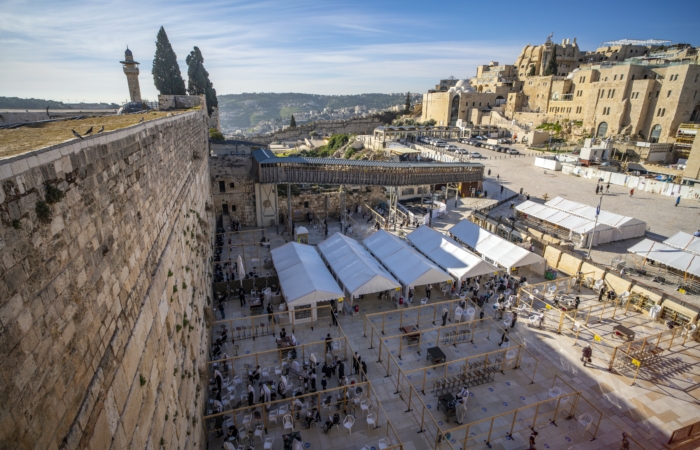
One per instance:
(243,111)
(37,103)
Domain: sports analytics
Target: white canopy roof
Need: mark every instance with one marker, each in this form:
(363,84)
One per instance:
(670,256)
(448,254)
(357,270)
(406,264)
(304,278)
(495,248)
(684,241)
(627,227)
(563,219)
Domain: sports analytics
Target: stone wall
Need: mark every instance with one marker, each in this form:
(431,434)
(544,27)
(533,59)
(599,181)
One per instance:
(307,201)
(102,304)
(168,102)
(238,190)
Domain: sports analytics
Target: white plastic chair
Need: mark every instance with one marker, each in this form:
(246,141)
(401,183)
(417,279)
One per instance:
(585,420)
(554,392)
(371,420)
(273,416)
(424,301)
(246,419)
(265,372)
(288,422)
(268,443)
(458,314)
(282,411)
(348,423)
(278,370)
(384,443)
(365,405)
(259,432)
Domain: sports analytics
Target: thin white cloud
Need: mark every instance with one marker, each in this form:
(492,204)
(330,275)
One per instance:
(69,51)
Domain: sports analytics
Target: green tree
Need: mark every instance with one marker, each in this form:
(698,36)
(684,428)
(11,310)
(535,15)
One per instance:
(166,71)
(198,82)
(531,73)
(407,106)
(292,122)
(552,65)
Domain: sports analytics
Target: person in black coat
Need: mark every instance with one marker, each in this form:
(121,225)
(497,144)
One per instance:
(241,296)
(341,369)
(363,375)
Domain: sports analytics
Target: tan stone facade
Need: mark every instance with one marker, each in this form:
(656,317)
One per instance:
(131,70)
(644,91)
(102,327)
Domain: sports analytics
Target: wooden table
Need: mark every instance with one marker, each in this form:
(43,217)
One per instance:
(621,330)
(411,336)
(435,355)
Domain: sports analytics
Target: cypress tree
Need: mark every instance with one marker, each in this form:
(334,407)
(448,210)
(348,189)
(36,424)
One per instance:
(166,71)
(292,122)
(552,65)
(407,106)
(198,82)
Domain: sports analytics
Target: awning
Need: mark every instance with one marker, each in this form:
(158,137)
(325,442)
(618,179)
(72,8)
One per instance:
(673,257)
(405,263)
(684,241)
(304,278)
(504,253)
(625,227)
(448,254)
(357,270)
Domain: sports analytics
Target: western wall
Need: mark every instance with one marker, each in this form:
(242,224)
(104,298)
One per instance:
(103,289)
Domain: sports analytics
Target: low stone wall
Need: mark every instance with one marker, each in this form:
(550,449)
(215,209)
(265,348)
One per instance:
(103,295)
(168,102)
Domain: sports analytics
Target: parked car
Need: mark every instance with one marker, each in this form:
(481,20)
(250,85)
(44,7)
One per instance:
(476,143)
(513,151)
(504,141)
(480,138)
(451,148)
(462,151)
(475,155)
(441,145)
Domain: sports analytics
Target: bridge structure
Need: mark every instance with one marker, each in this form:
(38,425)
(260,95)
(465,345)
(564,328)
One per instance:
(269,170)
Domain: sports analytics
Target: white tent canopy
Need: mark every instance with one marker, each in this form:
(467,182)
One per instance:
(504,253)
(448,254)
(624,227)
(357,270)
(601,233)
(684,241)
(665,254)
(304,278)
(406,264)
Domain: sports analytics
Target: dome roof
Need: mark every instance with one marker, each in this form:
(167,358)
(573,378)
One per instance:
(461,83)
(571,75)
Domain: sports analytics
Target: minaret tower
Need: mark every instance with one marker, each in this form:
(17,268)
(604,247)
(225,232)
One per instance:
(131,70)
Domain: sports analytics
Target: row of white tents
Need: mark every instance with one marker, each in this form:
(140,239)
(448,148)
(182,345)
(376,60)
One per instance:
(580,221)
(681,252)
(387,263)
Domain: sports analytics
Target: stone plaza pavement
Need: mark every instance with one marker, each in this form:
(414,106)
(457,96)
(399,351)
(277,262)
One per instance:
(664,398)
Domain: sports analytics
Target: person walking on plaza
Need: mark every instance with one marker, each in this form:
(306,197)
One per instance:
(445,313)
(334,315)
(678,200)
(363,374)
(514,319)
(607,188)
(533,436)
(241,296)
(625,444)
(428,289)
(632,192)
(586,354)
(597,189)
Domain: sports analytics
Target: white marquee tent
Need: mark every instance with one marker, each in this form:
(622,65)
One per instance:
(668,255)
(684,241)
(304,278)
(580,229)
(623,227)
(492,247)
(448,254)
(405,263)
(355,268)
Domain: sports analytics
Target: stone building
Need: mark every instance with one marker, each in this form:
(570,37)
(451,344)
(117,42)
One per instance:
(638,89)
(131,70)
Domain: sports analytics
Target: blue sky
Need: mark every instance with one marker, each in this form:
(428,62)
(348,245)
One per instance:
(70,50)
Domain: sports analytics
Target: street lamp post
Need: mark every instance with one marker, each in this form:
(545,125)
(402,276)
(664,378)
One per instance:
(597,213)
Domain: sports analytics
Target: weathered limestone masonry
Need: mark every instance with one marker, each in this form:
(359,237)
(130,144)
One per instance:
(317,202)
(102,328)
(238,189)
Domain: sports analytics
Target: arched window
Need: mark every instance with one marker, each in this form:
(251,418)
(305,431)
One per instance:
(602,130)
(454,110)
(500,100)
(655,134)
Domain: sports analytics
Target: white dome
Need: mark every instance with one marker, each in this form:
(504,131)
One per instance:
(461,83)
(571,75)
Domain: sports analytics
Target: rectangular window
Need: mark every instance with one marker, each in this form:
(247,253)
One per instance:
(602,93)
(233,208)
(222,186)
(224,209)
(613,94)
(669,94)
(657,94)
(231,185)
(615,78)
(306,204)
(622,76)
